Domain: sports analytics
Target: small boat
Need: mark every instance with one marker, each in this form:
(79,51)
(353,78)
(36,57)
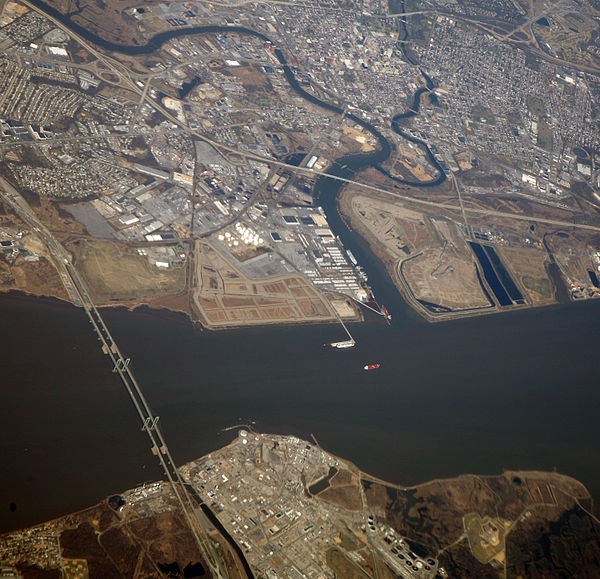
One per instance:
(387,314)
(371,366)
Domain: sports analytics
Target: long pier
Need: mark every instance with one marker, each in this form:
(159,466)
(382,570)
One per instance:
(351,342)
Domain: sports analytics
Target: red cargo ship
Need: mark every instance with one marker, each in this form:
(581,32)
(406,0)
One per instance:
(371,366)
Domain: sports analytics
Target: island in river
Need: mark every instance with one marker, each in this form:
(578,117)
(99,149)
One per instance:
(279,506)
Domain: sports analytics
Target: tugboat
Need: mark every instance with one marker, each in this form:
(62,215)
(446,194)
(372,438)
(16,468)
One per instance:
(371,366)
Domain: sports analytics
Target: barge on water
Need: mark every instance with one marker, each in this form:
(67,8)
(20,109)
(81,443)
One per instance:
(344,344)
(352,258)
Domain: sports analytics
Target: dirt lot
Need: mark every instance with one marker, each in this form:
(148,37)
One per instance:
(446,278)
(223,296)
(114,272)
(250,77)
(409,163)
(437,265)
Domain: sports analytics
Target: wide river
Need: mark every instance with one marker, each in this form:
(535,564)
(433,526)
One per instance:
(515,390)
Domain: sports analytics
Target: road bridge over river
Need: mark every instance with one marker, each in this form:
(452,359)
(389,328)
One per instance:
(80,295)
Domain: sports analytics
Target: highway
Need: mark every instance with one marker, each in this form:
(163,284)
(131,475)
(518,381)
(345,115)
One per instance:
(80,295)
(81,138)
(122,72)
(57,254)
(535,17)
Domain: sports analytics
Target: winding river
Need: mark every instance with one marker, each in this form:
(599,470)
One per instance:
(347,166)
(358,162)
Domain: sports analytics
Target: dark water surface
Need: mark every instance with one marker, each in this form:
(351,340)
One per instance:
(515,390)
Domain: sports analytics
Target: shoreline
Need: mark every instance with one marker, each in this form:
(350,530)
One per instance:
(375,341)
(359,161)
(141,305)
(351,466)
(393,267)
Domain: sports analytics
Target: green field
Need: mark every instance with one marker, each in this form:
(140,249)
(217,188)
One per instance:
(544,136)
(481,114)
(535,105)
(539,285)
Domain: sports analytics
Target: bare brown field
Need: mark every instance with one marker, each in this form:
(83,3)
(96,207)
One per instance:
(115,272)
(347,497)
(107,19)
(275,288)
(574,254)
(485,508)
(343,477)
(343,566)
(225,297)
(298,292)
(356,140)
(526,266)
(36,278)
(57,219)
(427,256)
(445,278)
(250,77)
(344,491)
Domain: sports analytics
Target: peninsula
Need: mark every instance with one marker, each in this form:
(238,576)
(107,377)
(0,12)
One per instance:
(278,506)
